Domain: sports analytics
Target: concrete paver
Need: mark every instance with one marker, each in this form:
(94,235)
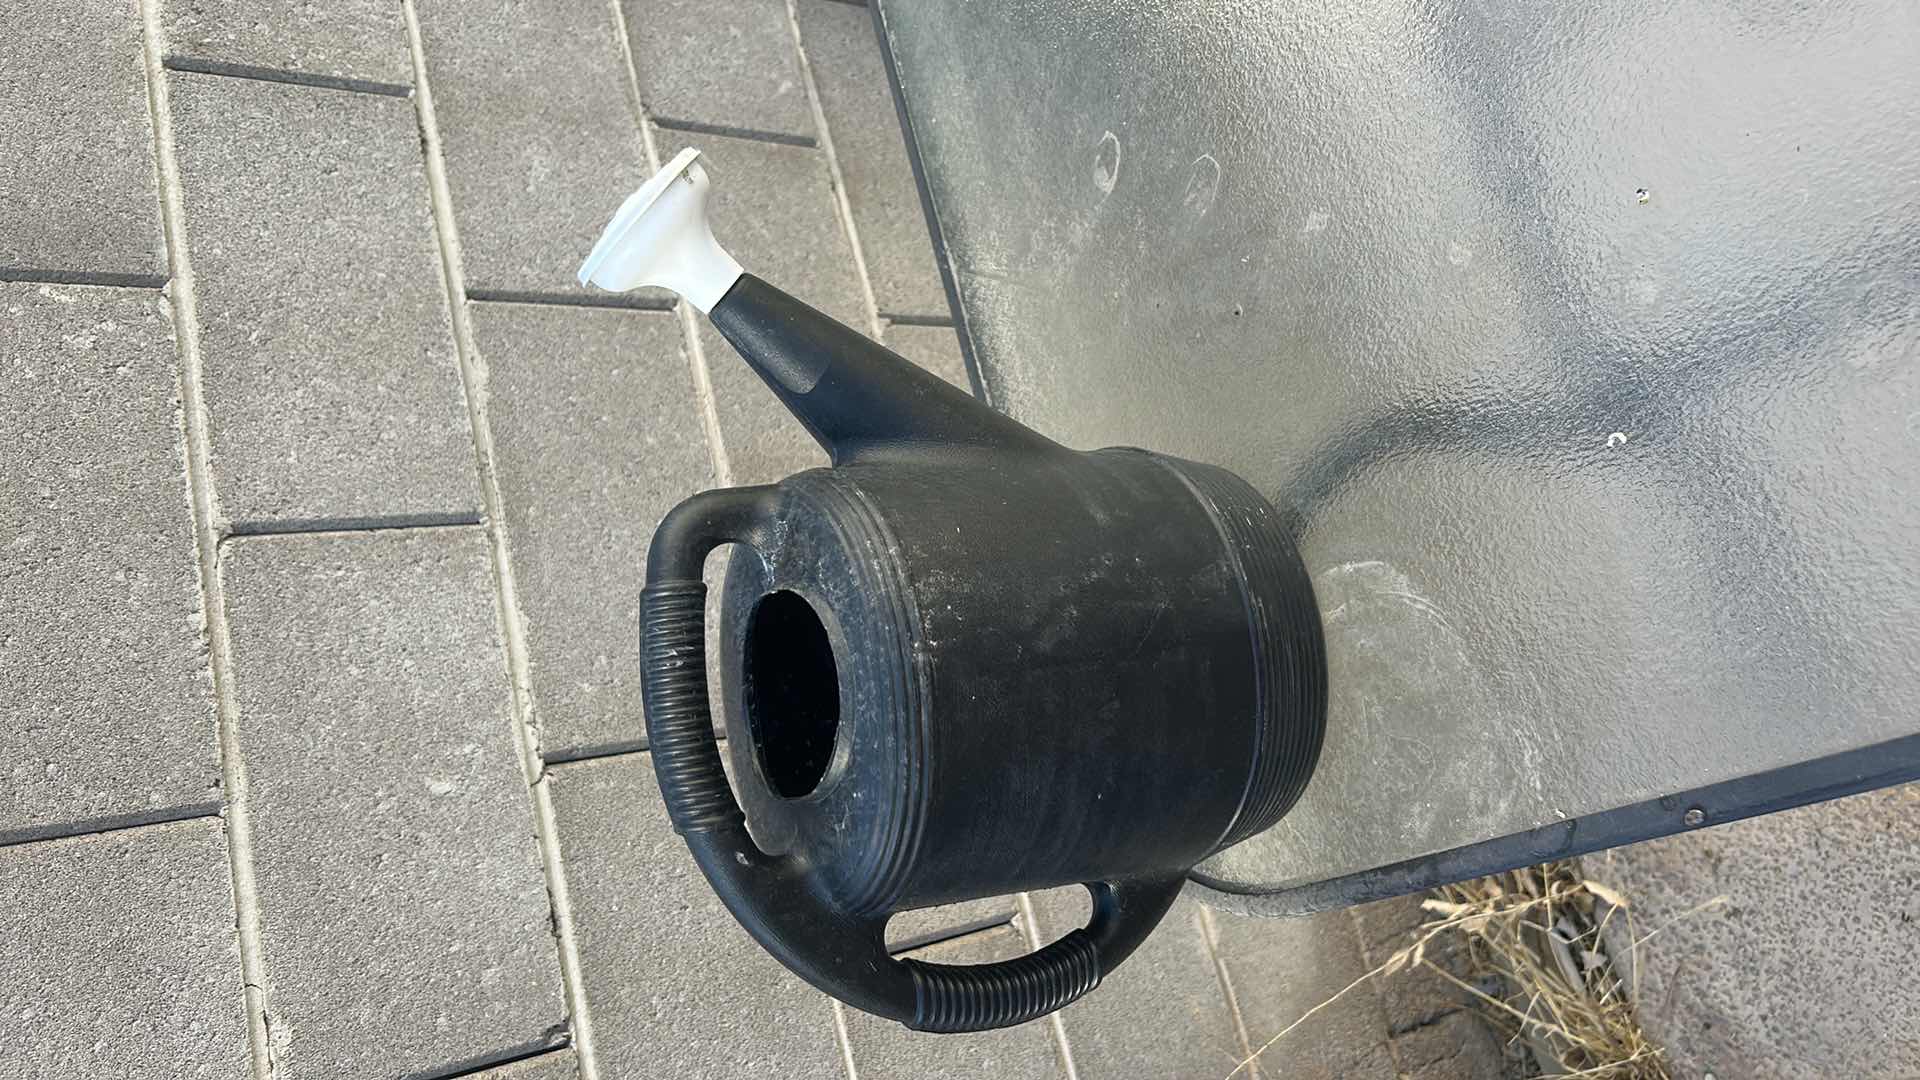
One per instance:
(772,208)
(852,79)
(354,39)
(731,65)
(538,131)
(597,434)
(1807,970)
(675,988)
(1280,969)
(557,1065)
(78,191)
(1161,1014)
(1411,995)
(125,964)
(330,377)
(936,348)
(108,707)
(1435,1035)
(400,883)
(1456,1046)
(906,928)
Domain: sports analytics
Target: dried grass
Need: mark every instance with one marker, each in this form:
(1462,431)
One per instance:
(1534,943)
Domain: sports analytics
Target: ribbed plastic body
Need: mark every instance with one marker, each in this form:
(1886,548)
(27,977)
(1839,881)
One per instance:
(1289,654)
(1068,667)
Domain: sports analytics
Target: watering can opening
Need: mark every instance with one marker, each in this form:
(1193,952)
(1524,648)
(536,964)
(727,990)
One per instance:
(963,661)
(792,694)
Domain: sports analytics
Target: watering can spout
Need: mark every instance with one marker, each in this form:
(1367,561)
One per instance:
(857,398)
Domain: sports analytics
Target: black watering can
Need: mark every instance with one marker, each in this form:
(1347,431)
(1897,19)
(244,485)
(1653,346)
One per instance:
(961,662)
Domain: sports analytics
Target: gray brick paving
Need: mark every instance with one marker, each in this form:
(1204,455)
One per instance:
(400,884)
(557,1065)
(764,442)
(1455,1046)
(1435,1034)
(77,192)
(127,965)
(535,120)
(852,79)
(330,374)
(1280,968)
(730,64)
(597,434)
(1387,926)
(108,709)
(936,348)
(925,924)
(883,1049)
(714,575)
(772,207)
(1161,1014)
(675,987)
(356,39)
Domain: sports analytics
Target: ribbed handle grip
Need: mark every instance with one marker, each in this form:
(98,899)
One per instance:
(679,729)
(977,997)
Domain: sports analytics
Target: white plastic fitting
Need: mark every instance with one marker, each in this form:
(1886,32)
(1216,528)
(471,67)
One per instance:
(660,236)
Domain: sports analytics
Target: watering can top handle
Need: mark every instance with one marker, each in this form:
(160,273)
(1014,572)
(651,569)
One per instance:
(773,896)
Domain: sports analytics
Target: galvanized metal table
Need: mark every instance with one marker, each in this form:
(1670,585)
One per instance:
(1580,341)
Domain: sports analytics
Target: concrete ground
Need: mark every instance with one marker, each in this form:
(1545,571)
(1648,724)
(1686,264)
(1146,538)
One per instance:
(326,498)
(1806,969)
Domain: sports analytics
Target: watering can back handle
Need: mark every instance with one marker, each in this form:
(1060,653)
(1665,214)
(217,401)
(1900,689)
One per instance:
(774,897)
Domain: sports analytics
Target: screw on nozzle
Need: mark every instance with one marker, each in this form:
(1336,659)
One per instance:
(660,236)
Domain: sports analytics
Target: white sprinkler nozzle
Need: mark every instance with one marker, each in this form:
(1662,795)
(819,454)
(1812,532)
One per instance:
(660,236)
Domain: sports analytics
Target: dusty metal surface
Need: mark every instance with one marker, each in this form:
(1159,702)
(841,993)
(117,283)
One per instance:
(1581,340)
